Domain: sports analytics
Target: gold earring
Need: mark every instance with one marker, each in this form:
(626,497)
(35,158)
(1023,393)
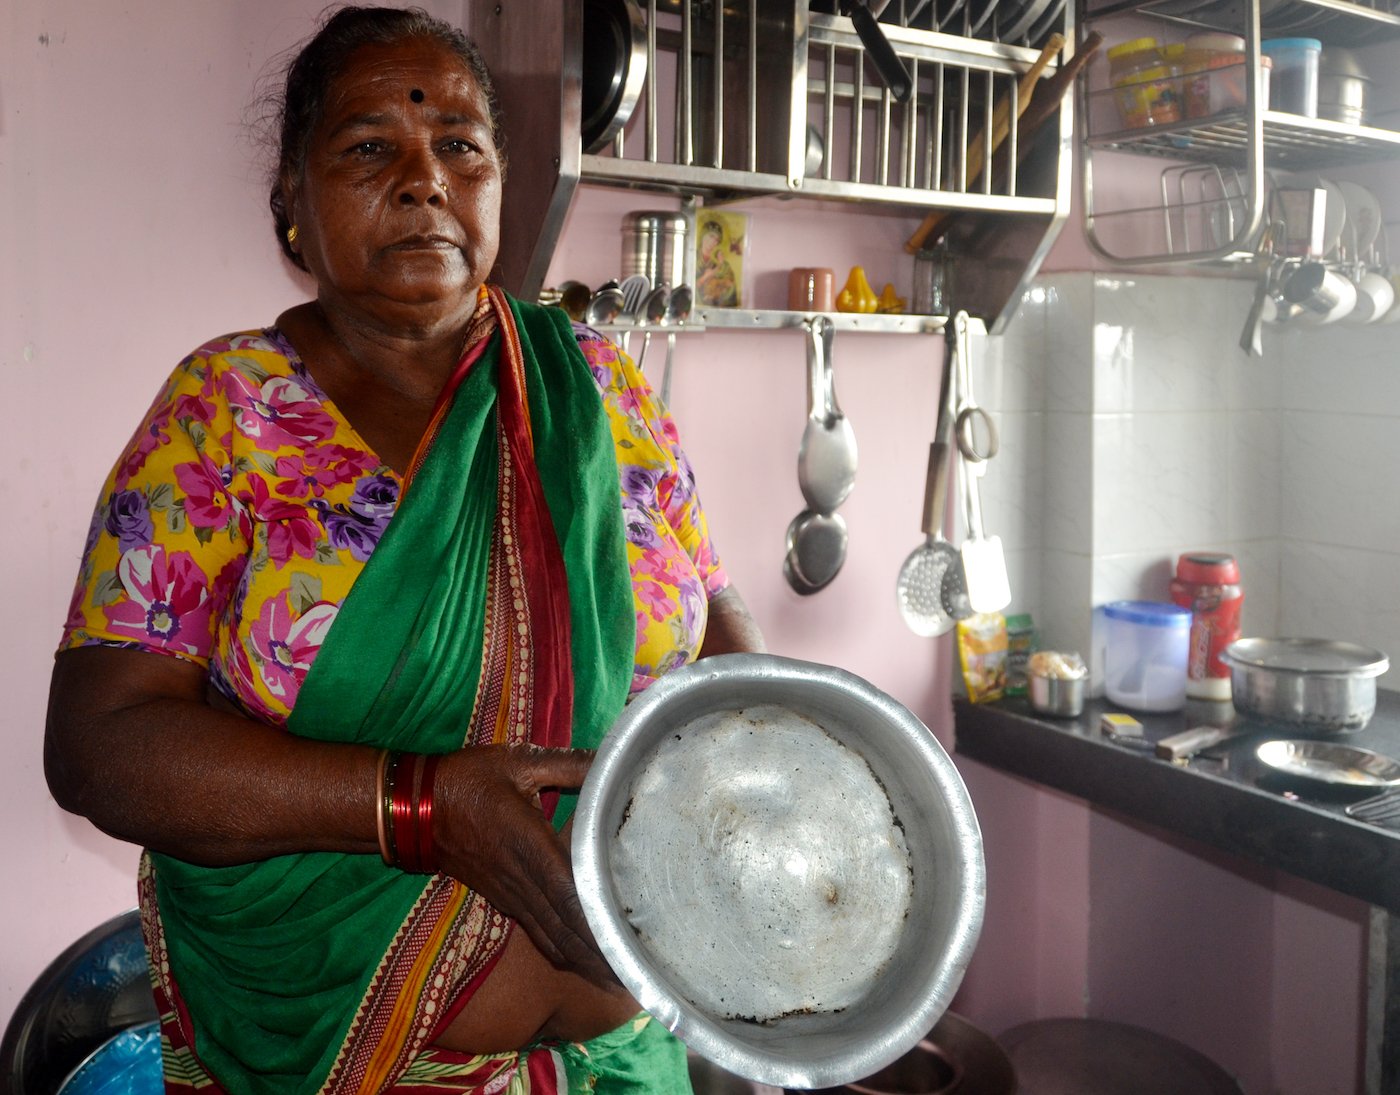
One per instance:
(292,234)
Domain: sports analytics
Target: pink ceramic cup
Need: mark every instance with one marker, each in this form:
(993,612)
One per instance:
(812,289)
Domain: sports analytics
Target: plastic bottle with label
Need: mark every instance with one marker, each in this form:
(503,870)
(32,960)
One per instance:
(1208,583)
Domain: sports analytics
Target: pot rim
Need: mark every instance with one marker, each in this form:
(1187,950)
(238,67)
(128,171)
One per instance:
(1288,656)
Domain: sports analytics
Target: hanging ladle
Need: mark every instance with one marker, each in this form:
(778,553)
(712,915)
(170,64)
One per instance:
(677,312)
(826,460)
(816,550)
(653,312)
(919,590)
(605,305)
(634,288)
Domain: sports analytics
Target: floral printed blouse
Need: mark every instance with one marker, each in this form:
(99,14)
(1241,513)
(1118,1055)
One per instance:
(234,524)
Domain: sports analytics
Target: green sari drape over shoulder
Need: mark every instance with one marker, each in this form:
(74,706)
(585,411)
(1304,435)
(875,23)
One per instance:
(497,607)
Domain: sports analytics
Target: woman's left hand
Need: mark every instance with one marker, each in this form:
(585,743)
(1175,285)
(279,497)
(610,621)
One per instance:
(491,834)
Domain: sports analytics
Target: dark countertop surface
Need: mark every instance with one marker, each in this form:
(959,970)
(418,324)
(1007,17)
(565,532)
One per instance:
(1225,797)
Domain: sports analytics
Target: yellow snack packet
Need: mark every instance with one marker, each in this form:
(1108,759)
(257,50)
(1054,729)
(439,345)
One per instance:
(982,648)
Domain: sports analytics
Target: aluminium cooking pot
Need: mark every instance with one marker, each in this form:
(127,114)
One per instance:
(1326,685)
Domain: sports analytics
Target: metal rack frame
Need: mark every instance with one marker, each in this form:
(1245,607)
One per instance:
(732,95)
(1250,141)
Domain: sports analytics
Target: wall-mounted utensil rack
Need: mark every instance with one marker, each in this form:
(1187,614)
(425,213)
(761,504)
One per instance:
(770,319)
(1248,142)
(752,98)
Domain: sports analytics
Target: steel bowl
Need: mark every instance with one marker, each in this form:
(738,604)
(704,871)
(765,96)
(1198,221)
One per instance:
(1326,685)
(934,940)
(1061,697)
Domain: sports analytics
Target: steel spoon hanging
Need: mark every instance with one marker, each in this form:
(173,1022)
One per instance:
(826,460)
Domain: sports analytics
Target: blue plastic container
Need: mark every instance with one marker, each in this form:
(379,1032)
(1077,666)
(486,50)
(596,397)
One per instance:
(1293,79)
(1146,644)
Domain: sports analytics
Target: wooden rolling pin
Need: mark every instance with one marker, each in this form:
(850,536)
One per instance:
(1001,117)
(1032,110)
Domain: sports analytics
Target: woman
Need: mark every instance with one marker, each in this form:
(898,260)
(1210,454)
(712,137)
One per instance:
(381,548)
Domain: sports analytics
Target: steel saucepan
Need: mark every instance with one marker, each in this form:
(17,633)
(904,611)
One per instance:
(1319,683)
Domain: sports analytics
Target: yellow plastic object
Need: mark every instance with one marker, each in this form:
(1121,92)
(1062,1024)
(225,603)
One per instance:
(1115,723)
(1143,84)
(889,303)
(857,295)
(1133,45)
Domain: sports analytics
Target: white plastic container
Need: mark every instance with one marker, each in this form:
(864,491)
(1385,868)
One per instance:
(1293,81)
(1146,646)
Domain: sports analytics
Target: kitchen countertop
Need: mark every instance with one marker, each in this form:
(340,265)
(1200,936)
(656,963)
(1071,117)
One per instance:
(1224,797)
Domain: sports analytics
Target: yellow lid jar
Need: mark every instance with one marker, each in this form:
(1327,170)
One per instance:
(1143,85)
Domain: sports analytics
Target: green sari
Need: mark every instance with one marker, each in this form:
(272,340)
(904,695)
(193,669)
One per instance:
(497,607)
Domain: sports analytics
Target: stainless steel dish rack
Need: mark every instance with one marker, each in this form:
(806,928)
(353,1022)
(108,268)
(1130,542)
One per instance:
(749,98)
(1219,179)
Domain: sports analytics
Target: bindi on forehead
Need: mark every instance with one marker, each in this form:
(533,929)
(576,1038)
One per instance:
(416,95)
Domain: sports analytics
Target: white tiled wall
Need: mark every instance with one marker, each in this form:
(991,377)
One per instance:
(1134,428)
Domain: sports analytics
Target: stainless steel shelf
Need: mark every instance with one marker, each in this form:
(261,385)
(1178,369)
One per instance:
(767,98)
(1290,141)
(1241,147)
(1359,23)
(773,319)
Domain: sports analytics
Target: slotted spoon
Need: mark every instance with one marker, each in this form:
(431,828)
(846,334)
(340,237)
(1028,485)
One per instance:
(920,585)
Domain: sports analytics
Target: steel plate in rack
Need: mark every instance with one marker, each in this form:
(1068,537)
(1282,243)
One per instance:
(1047,23)
(933,938)
(1330,762)
(614,68)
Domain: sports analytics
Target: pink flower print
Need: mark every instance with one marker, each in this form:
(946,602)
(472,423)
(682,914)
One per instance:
(151,437)
(285,645)
(167,600)
(195,408)
(314,471)
(205,486)
(278,413)
(650,595)
(240,684)
(629,400)
(291,530)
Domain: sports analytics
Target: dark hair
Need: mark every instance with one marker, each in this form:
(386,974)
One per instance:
(296,108)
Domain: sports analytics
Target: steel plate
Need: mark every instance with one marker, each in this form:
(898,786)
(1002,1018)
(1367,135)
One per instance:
(931,805)
(1330,762)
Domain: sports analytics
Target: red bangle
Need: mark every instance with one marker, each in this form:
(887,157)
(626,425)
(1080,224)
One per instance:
(427,853)
(404,842)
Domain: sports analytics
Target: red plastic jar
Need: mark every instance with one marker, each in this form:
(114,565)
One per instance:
(1208,583)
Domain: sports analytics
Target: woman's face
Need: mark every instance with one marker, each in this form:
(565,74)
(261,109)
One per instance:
(398,209)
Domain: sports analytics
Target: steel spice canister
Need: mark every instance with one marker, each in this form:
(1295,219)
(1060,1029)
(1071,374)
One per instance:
(654,244)
(1208,583)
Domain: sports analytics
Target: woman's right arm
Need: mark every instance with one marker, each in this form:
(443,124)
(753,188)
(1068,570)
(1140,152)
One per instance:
(132,745)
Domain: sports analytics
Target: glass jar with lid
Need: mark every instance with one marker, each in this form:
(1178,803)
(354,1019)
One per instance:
(1143,86)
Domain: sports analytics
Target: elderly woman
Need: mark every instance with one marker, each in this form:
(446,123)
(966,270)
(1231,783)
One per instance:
(398,551)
